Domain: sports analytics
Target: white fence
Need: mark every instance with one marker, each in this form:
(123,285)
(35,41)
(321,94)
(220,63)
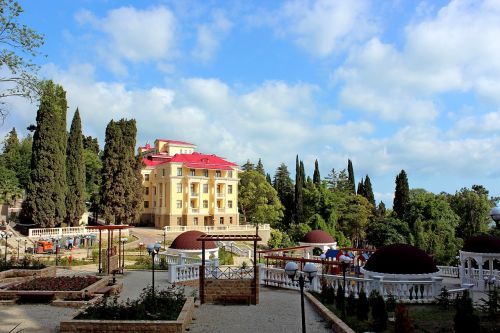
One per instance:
(48,233)
(216,229)
(243,251)
(448,271)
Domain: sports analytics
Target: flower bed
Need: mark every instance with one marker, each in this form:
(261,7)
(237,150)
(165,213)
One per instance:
(60,283)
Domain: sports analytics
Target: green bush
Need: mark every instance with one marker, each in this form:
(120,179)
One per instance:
(27,262)
(363,307)
(327,293)
(443,299)
(379,314)
(350,307)
(339,299)
(465,319)
(151,305)
(225,257)
(402,324)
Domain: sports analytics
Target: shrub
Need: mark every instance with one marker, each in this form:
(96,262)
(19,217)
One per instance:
(403,321)
(327,293)
(350,307)
(379,314)
(492,304)
(391,303)
(363,308)
(373,296)
(27,262)
(465,320)
(443,299)
(339,299)
(151,305)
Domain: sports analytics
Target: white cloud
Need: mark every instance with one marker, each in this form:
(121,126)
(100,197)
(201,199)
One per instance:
(209,36)
(133,35)
(323,27)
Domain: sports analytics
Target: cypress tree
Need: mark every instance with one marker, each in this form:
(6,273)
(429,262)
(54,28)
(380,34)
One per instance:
(283,184)
(299,188)
(268,178)
(316,175)
(401,195)
(75,170)
(381,209)
(369,191)
(121,191)
(350,172)
(260,168)
(10,157)
(361,188)
(46,192)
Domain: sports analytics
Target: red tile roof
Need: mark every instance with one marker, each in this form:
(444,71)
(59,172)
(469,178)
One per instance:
(175,142)
(193,161)
(188,241)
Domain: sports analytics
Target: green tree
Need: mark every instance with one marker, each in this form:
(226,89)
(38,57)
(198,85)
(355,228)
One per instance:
(248,166)
(46,193)
(368,191)
(350,176)
(361,187)
(260,167)
(283,185)
(23,168)
(386,231)
(381,210)
(401,195)
(91,144)
(268,179)
(20,44)
(93,166)
(465,320)
(121,189)
(363,307)
(299,188)
(316,175)
(257,200)
(75,173)
(10,156)
(354,212)
(473,208)
(10,190)
(279,239)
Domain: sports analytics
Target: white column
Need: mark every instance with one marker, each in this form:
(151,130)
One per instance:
(481,275)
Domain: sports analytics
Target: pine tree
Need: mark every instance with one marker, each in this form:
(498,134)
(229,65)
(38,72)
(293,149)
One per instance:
(75,169)
(401,195)
(316,175)
(283,184)
(121,190)
(11,145)
(46,192)
(248,166)
(361,188)
(260,168)
(268,178)
(299,187)
(381,209)
(350,172)
(363,307)
(369,191)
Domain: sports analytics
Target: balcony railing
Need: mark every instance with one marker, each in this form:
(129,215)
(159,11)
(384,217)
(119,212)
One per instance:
(220,194)
(221,210)
(195,210)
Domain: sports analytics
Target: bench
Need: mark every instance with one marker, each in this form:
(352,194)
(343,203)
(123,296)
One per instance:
(32,296)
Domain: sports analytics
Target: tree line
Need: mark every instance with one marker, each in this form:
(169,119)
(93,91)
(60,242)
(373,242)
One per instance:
(436,223)
(59,172)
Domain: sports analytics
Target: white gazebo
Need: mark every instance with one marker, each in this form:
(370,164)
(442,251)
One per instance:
(318,239)
(480,262)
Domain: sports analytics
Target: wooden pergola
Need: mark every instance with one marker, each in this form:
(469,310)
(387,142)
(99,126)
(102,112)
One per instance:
(235,238)
(109,229)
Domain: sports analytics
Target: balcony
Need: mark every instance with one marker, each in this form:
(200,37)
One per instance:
(221,210)
(195,210)
(220,194)
(194,194)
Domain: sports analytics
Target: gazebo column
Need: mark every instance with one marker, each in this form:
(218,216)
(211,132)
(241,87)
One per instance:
(469,267)
(462,271)
(481,275)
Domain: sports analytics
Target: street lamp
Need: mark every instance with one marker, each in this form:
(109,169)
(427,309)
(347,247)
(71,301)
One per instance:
(25,245)
(495,215)
(5,235)
(88,238)
(56,240)
(123,240)
(153,251)
(309,270)
(165,238)
(345,261)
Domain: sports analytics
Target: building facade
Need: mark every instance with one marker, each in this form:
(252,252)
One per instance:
(185,188)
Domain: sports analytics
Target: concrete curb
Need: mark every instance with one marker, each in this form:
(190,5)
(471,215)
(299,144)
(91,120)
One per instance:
(337,324)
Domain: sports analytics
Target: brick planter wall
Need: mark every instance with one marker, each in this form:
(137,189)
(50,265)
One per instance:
(134,326)
(337,324)
(20,273)
(222,290)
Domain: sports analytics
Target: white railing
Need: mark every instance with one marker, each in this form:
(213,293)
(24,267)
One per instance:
(172,259)
(448,271)
(219,228)
(233,248)
(68,231)
(180,273)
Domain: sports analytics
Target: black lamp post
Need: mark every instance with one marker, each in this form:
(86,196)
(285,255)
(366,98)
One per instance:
(322,257)
(165,238)
(5,235)
(25,245)
(123,240)
(309,270)
(58,247)
(153,251)
(495,215)
(345,261)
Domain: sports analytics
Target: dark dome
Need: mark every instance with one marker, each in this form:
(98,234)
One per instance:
(482,244)
(188,241)
(400,259)
(317,237)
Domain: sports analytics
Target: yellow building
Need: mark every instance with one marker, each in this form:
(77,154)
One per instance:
(186,188)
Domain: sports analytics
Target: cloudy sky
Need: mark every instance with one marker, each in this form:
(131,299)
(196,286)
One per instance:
(390,84)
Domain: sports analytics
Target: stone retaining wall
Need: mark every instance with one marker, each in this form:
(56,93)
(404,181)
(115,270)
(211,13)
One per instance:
(337,324)
(20,273)
(134,326)
(224,290)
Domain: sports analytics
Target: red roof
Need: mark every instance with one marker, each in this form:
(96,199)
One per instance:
(188,241)
(193,161)
(175,142)
(317,237)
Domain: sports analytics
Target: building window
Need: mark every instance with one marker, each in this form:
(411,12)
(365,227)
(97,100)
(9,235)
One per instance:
(230,173)
(163,172)
(161,189)
(230,219)
(229,189)
(221,220)
(146,191)
(195,220)
(154,203)
(205,203)
(179,171)
(217,173)
(161,201)
(146,177)
(146,204)
(179,187)
(179,203)
(205,173)
(179,221)
(192,172)
(230,204)
(205,188)
(154,190)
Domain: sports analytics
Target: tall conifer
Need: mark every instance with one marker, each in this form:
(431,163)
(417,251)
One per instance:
(75,170)
(350,172)
(401,195)
(283,184)
(299,188)
(316,175)
(46,192)
(369,191)
(260,168)
(361,188)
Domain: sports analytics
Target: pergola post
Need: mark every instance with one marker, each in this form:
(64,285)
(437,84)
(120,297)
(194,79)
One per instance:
(202,273)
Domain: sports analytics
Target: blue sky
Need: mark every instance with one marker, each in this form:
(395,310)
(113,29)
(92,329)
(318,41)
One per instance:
(391,85)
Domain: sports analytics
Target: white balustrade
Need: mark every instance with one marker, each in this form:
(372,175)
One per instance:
(219,228)
(63,232)
(448,271)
